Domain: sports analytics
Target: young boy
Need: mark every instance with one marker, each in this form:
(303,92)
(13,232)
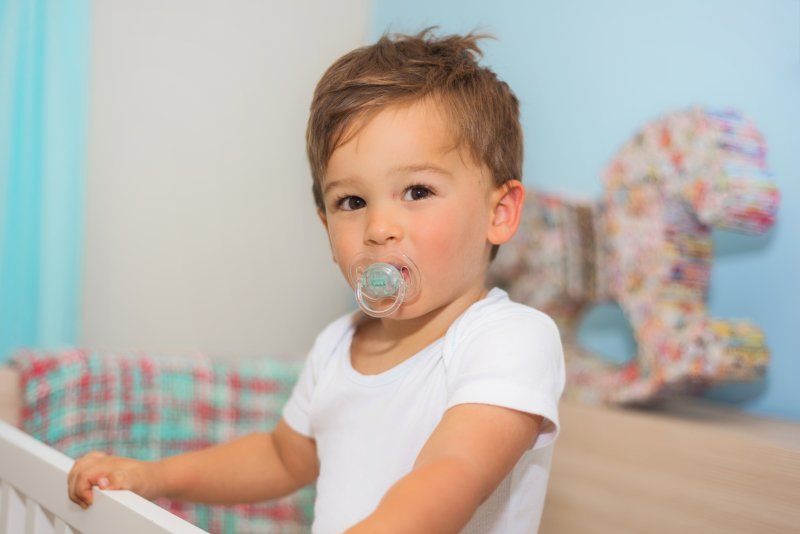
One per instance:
(436,416)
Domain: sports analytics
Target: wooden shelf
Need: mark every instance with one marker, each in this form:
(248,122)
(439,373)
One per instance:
(685,467)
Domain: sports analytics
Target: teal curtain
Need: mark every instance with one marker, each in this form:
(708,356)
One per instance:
(44,51)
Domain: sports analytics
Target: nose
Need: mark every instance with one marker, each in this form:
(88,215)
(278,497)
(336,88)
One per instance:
(383,226)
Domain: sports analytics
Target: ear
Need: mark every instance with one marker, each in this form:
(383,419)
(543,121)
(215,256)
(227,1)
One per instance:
(507,202)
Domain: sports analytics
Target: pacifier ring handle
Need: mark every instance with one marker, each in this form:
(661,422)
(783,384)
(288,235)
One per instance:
(363,302)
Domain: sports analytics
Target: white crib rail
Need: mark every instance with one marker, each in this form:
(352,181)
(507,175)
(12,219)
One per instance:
(33,497)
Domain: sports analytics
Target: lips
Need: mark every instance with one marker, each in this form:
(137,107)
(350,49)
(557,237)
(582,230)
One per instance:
(404,270)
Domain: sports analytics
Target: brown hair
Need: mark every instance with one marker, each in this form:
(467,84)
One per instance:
(398,69)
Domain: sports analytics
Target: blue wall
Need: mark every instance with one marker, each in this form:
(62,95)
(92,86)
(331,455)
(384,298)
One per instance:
(589,73)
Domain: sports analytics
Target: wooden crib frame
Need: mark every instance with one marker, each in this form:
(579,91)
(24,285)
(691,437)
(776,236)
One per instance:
(33,497)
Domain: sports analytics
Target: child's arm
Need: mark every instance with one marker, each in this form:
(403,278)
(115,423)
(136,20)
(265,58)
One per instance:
(471,451)
(252,468)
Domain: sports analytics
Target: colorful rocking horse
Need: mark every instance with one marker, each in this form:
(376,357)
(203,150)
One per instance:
(647,246)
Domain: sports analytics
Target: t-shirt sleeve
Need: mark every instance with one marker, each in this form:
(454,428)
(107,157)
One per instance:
(297,411)
(513,359)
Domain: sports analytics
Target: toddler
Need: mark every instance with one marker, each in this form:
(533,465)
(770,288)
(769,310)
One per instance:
(434,407)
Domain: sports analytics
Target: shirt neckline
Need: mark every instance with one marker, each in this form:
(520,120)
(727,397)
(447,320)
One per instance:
(389,375)
(402,368)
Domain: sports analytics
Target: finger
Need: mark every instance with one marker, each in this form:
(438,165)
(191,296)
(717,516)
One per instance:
(78,493)
(73,478)
(83,490)
(78,483)
(72,486)
(87,496)
(82,487)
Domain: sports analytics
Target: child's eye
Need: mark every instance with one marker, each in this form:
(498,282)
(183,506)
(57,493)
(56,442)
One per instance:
(417,192)
(350,203)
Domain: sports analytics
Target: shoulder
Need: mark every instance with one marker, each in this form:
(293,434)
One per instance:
(336,329)
(330,338)
(297,411)
(504,342)
(503,339)
(506,354)
(500,320)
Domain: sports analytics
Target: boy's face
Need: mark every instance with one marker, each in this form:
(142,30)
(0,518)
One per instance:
(400,184)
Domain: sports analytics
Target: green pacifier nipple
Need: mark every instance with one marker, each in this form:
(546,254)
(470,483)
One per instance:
(381,280)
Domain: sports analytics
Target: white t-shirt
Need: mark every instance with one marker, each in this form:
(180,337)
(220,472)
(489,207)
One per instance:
(369,429)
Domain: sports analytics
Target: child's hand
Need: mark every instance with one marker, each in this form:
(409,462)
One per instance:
(111,472)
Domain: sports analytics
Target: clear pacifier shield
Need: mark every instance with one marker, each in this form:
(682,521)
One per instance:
(383,283)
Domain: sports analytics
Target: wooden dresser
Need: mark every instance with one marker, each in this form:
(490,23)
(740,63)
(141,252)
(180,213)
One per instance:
(686,467)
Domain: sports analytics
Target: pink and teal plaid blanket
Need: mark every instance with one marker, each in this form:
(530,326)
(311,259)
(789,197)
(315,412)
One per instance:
(145,407)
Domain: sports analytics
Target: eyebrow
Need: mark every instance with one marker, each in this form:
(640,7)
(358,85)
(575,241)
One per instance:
(421,167)
(336,183)
(402,169)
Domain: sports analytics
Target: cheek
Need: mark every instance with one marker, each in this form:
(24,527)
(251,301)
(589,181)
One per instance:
(345,243)
(341,256)
(339,236)
(451,241)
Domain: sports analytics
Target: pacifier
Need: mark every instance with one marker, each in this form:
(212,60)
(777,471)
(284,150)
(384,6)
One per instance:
(383,282)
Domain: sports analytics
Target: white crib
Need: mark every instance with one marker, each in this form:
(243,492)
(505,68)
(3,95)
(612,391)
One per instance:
(33,497)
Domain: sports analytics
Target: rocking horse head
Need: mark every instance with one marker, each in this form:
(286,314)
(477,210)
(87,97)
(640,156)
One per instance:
(646,244)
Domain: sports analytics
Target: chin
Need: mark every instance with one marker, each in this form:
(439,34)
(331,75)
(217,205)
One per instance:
(415,310)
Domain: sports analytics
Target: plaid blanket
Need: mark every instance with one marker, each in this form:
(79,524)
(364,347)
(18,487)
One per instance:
(144,407)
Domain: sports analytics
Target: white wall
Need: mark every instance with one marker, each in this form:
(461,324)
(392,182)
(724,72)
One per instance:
(201,233)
